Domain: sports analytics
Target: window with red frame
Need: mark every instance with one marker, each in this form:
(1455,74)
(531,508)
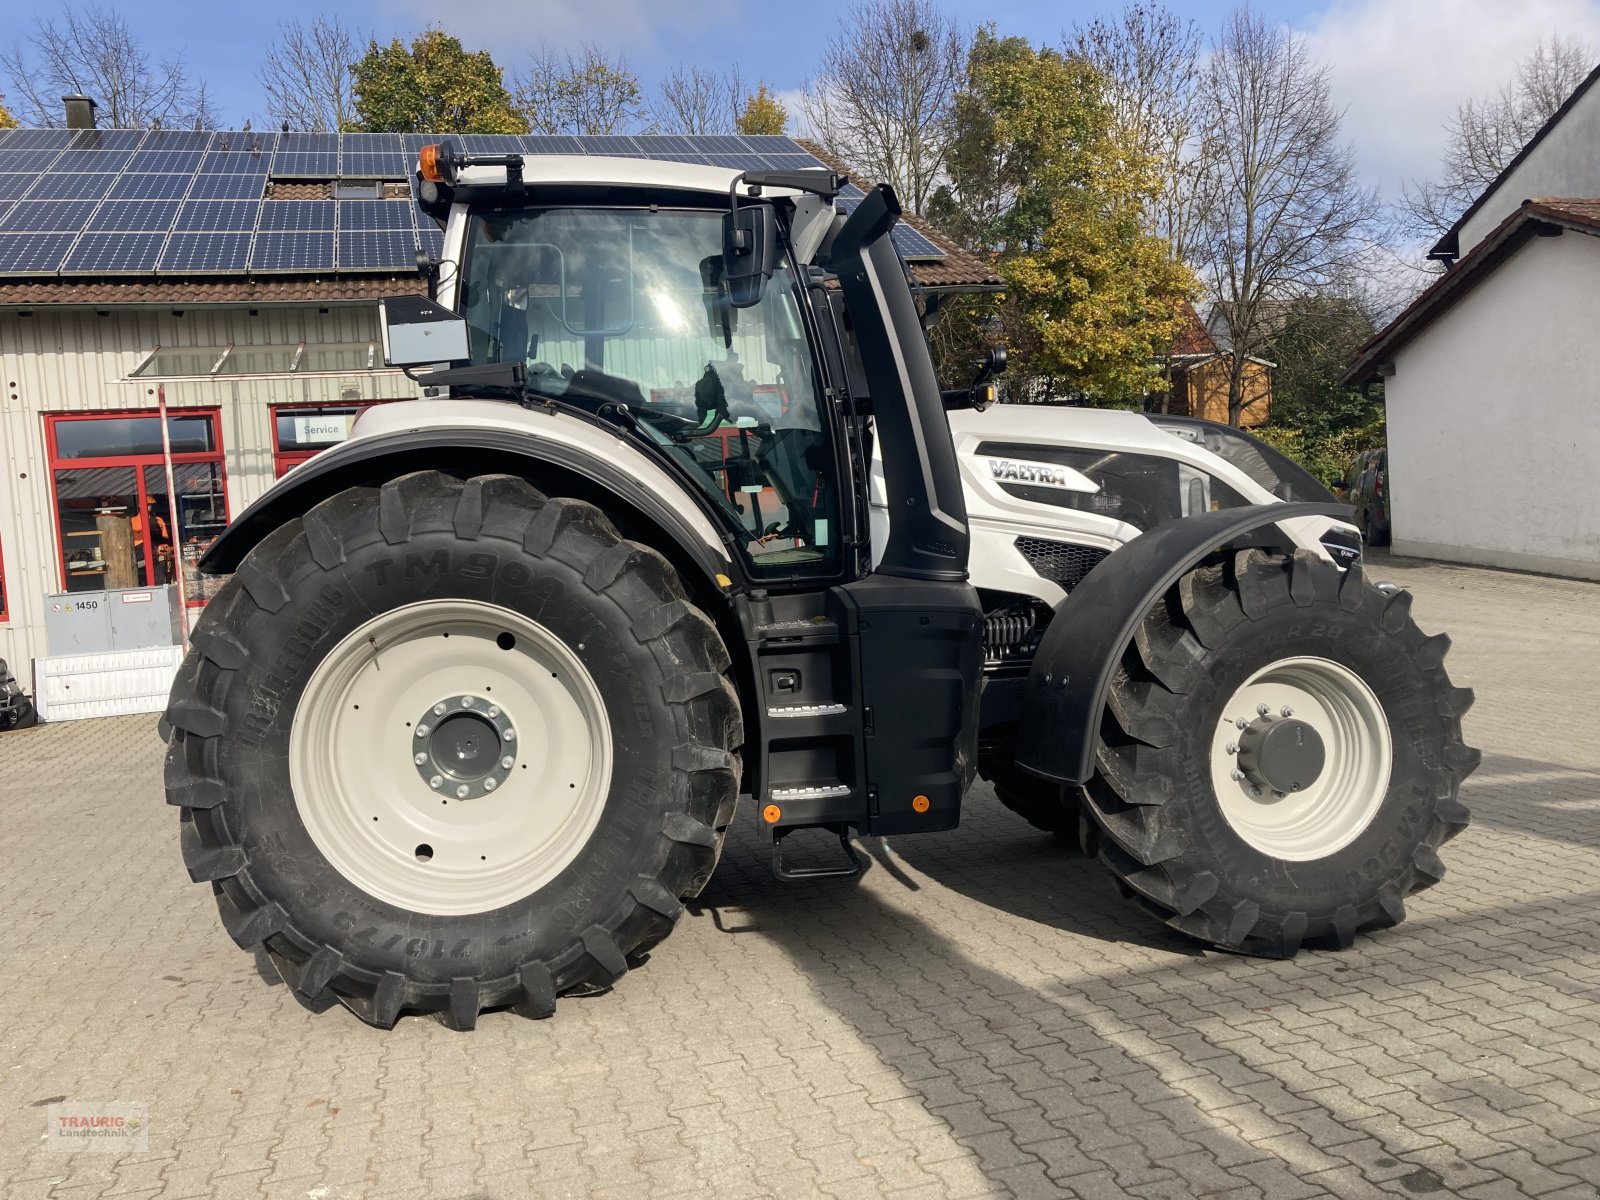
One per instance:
(300,431)
(113,518)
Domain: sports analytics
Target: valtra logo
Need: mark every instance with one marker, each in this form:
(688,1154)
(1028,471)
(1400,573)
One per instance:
(1046,474)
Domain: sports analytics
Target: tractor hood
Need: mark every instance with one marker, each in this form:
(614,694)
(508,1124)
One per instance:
(1042,476)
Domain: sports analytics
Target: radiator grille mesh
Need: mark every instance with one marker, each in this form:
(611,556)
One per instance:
(1060,562)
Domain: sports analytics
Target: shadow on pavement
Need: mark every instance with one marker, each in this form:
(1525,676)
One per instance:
(1051,1083)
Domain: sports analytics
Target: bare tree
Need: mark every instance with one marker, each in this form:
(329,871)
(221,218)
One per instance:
(95,51)
(1149,59)
(306,74)
(882,96)
(695,100)
(1284,214)
(1486,133)
(583,93)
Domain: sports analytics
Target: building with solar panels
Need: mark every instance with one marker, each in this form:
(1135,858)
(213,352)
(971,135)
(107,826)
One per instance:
(233,277)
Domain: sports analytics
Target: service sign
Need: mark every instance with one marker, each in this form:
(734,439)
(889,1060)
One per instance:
(322,429)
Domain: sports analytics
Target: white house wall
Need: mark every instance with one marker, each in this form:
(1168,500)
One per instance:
(1494,419)
(58,360)
(1565,163)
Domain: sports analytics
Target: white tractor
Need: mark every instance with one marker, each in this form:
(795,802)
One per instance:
(688,522)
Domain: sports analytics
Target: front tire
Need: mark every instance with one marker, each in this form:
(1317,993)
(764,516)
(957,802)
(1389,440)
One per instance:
(410,823)
(1369,759)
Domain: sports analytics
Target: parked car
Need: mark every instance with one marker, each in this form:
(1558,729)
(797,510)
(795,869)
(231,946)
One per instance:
(1366,489)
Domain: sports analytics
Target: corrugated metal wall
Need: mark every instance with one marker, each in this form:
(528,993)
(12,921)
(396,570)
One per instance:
(78,360)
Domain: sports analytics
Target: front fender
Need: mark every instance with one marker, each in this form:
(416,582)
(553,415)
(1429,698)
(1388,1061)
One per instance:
(1072,669)
(608,467)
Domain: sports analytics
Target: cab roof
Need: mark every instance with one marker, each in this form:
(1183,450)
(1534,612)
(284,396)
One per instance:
(579,170)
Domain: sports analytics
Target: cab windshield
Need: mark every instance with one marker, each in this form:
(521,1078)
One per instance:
(1270,468)
(628,306)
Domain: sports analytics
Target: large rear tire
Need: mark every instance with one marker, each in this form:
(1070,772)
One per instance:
(446,746)
(1281,757)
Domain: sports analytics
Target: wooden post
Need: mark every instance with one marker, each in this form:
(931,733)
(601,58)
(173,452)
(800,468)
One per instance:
(116,548)
(174,530)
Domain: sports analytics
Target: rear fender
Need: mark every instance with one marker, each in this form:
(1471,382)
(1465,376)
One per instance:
(638,493)
(1072,669)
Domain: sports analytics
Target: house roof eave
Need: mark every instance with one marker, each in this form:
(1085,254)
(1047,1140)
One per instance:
(1448,248)
(1534,218)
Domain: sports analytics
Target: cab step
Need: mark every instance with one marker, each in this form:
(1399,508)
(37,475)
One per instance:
(854,866)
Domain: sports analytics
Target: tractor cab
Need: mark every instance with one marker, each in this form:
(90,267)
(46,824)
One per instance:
(688,323)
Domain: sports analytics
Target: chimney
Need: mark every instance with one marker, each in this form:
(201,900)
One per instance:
(80,111)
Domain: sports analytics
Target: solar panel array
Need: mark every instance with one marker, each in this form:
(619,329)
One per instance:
(178,202)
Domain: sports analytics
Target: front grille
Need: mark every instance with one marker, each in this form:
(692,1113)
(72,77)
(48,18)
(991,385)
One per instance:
(1060,562)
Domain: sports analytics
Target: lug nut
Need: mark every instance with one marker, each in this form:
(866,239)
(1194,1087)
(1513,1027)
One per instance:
(1262,710)
(1242,723)
(511,735)
(1238,775)
(507,762)
(1255,791)
(1287,711)
(436,782)
(438,710)
(1233,748)
(422,731)
(462,791)
(466,702)
(419,759)
(494,711)
(490,784)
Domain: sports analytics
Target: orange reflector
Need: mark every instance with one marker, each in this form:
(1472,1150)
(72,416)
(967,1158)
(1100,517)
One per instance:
(919,803)
(771,813)
(428,164)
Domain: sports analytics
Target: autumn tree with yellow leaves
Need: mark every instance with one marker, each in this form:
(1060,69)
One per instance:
(763,113)
(1041,181)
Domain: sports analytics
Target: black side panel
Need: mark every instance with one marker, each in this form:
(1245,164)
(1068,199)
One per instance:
(811,770)
(1094,624)
(869,696)
(921,652)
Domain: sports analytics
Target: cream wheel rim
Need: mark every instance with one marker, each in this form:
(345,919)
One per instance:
(1266,748)
(450,757)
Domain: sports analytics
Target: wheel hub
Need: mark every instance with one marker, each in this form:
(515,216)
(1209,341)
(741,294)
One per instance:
(1284,754)
(466,746)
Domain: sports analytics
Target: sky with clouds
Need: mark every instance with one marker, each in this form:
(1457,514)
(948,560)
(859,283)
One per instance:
(1399,66)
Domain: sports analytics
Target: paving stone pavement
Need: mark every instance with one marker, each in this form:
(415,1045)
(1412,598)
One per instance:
(977,1016)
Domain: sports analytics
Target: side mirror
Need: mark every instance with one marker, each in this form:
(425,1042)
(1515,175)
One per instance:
(749,252)
(418,332)
(428,268)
